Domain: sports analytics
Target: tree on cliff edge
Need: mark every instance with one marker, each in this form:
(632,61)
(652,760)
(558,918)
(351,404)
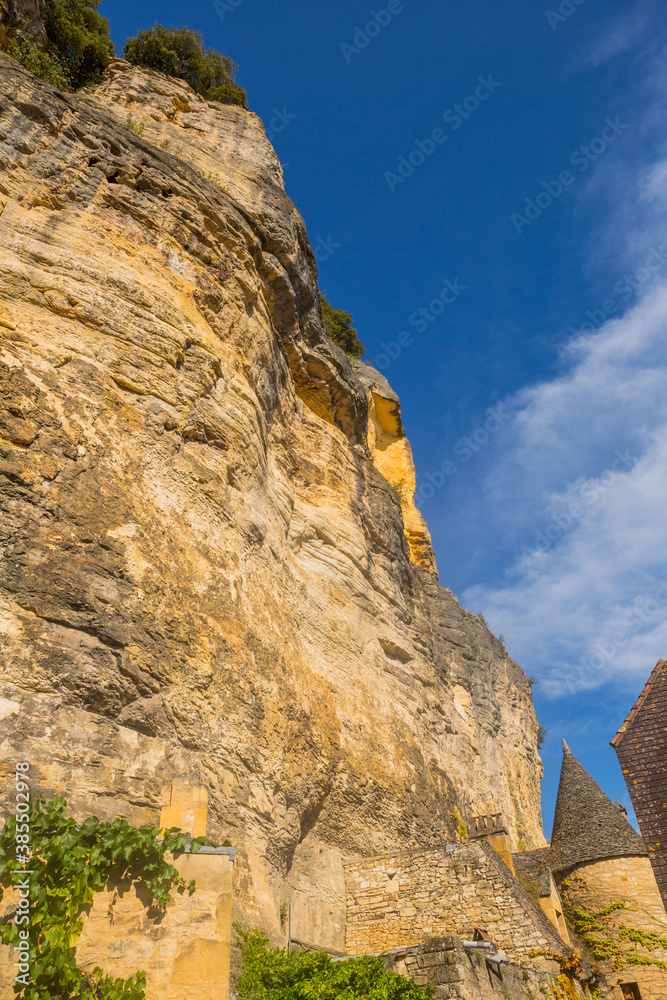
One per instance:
(180,52)
(80,36)
(338,325)
(69,47)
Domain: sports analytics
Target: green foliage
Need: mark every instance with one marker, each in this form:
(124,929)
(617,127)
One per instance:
(180,52)
(603,949)
(399,489)
(273,974)
(69,865)
(584,921)
(618,904)
(78,48)
(649,939)
(645,960)
(532,888)
(532,681)
(228,93)
(136,127)
(214,179)
(338,325)
(461,828)
(593,928)
(79,37)
(41,64)
(541,735)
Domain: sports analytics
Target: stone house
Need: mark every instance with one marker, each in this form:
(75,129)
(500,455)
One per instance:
(641,747)
(602,870)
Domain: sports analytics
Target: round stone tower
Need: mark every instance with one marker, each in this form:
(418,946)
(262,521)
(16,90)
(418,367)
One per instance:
(609,892)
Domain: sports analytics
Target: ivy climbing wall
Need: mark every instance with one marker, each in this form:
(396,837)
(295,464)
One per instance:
(617,911)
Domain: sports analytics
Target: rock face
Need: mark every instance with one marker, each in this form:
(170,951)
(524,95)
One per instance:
(21,19)
(205,575)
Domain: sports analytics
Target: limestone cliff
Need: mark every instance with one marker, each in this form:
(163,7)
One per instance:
(212,569)
(21,19)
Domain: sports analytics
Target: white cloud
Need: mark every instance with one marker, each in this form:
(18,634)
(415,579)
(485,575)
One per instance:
(578,480)
(623,34)
(582,475)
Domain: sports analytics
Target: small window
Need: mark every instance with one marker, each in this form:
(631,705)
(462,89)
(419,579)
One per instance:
(630,991)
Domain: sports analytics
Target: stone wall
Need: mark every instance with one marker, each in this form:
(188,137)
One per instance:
(395,901)
(641,745)
(457,972)
(186,953)
(595,887)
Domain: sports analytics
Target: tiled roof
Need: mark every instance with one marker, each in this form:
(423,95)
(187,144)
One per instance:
(654,692)
(587,824)
(641,745)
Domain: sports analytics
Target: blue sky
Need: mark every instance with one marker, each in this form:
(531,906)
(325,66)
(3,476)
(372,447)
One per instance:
(490,181)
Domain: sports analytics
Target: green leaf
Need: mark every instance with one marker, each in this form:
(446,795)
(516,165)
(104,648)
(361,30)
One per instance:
(78,862)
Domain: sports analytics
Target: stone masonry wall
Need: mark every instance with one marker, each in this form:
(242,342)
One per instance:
(457,973)
(641,745)
(396,901)
(595,887)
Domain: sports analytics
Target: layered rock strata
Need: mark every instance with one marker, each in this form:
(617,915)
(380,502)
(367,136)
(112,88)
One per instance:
(206,575)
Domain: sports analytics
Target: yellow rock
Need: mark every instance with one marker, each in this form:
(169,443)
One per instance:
(212,581)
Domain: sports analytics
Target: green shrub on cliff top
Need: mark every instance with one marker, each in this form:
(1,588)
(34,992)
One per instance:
(273,974)
(41,64)
(180,52)
(338,325)
(78,47)
(79,35)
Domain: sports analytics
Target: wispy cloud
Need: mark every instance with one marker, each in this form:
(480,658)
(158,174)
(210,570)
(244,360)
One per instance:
(624,33)
(591,602)
(583,600)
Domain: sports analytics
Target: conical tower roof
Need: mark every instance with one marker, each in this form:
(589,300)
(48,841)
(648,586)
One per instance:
(587,824)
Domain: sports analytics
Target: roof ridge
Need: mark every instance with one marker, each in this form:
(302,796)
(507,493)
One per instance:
(618,738)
